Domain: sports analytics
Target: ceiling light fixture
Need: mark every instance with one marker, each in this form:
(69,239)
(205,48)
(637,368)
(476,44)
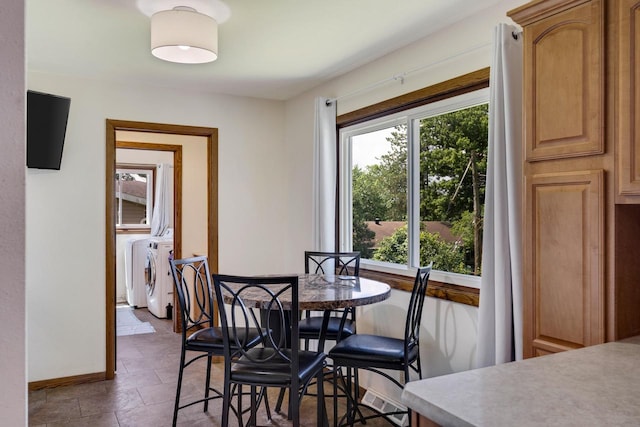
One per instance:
(183,35)
(185,31)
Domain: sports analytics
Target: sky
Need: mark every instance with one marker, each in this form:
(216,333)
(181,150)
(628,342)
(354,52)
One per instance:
(366,149)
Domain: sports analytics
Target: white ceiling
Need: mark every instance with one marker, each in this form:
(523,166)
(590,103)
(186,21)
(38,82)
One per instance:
(273,49)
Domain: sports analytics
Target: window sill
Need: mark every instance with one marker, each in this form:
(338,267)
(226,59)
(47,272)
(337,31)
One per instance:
(456,293)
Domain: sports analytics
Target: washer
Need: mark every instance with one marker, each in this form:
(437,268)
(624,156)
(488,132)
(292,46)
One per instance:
(135,256)
(158,280)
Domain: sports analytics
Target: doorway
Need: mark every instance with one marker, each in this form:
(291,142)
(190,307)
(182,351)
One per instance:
(210,136)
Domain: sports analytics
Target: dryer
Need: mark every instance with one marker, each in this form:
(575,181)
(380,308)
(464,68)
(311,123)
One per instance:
(135,255)
(158,279)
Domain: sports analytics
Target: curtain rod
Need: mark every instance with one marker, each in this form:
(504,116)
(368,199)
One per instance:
(400,77)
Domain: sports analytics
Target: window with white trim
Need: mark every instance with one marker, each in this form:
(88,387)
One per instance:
(134,197)
(412,188)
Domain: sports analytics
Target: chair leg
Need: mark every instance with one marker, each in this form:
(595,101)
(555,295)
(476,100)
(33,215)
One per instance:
(322,409)
(352,393)
(335,396)
(356,385)
(239,406)
(294,407)
(207,384)
(280,400)
(226,401)
(254,406)
(339,376)
(178,388)
(263,395)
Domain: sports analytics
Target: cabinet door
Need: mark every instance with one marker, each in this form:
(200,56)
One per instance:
(564,261)
(628,100)
(564,84)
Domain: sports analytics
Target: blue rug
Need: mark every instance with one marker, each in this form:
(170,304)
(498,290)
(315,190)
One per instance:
(128,324)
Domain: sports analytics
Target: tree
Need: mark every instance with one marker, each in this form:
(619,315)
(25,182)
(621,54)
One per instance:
(447,143)
(391,173)
(445,256)
(368,193)
(453,153)
(363,239)
(368,204)
(464,228)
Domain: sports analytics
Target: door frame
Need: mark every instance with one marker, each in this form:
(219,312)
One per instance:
(211,135)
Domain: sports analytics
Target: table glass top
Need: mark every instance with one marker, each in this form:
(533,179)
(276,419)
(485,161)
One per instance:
(327,292)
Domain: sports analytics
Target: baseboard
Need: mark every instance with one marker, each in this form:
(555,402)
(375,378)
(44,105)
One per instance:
(74,380)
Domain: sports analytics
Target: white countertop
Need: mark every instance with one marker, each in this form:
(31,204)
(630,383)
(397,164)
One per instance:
(593,386)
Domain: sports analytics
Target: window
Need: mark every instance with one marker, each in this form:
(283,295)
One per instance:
(412,188)
(134,197)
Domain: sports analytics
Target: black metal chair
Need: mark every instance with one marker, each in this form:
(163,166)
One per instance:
(278,361)
(342,323)
(377,353)
(192,281)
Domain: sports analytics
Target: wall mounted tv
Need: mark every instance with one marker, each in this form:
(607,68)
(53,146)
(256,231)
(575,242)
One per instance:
(46,128)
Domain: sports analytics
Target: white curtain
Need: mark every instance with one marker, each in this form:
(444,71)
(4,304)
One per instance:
(500,313)
(324,176)
(162,209)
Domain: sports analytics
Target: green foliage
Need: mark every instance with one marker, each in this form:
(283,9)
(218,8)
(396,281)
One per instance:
(368,204)
(363,239)
(445,256)
(447,144)
(369,198)
(463,228)
(392,174)
(394,248)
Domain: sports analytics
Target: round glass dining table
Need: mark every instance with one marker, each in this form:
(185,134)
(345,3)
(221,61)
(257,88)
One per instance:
(325,292)
(328,292)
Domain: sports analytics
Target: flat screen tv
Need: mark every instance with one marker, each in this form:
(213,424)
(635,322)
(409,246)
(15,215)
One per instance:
(46,128)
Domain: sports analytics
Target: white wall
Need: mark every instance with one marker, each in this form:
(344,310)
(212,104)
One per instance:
(65,215)
(13,366)
(265,164)
(449,335)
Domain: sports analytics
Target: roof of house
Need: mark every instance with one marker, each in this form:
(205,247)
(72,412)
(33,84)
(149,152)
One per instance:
(134,191)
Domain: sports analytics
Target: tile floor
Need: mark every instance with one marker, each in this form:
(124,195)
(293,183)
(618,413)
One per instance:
(143,391)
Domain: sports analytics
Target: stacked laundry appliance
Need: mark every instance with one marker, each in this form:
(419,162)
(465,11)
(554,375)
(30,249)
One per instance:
(158,279)
(135,256)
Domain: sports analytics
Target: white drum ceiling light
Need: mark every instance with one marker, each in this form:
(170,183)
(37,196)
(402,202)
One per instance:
(185,31)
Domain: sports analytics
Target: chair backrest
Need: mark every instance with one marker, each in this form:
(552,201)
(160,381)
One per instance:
(414,311)
(342,263)
(275,297)
(192,281)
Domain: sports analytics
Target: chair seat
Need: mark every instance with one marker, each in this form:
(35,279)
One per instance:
(273,373)
(210,339)
(311,326)
(371,351)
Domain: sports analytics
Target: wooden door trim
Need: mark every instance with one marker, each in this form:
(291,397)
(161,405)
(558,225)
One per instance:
(211,135)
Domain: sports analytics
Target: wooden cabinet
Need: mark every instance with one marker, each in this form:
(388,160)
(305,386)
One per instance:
(627,14)
(563,66)
(418,420)
(581,173)
(564,233)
